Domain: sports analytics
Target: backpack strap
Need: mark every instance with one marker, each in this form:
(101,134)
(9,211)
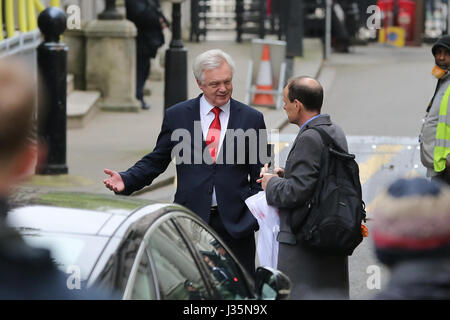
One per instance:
(330,147)
(329,143)
(326,138)
(334,149)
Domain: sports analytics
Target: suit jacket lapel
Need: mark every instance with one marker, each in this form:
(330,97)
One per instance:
(233,119)
(293,146)
(196,120)
(196,109)
(195,129)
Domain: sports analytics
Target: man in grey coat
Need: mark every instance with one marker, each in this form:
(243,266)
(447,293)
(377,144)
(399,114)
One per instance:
(313,274)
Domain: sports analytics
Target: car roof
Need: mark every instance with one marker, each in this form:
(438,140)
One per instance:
(77,213)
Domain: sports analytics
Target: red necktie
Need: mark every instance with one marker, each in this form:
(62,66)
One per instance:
(213,137)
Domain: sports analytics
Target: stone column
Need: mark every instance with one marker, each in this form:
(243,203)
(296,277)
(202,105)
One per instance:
(111,63)
(76,41)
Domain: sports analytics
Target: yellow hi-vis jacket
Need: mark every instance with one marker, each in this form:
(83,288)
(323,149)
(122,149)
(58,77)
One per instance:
(442,145)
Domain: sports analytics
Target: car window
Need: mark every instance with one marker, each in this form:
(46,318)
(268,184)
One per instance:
(224,272)
(116,271)
(143,287)
(70,252)
(178,275)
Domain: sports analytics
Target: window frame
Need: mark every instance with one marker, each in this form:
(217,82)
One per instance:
(135,269)
(144,248)
(171,217)
(250,286)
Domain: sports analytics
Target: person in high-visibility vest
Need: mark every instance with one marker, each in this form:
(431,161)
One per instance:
(435,135)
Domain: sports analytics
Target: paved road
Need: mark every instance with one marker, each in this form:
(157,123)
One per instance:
(378,95)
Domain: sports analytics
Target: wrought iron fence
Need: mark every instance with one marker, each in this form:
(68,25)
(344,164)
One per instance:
(240,16)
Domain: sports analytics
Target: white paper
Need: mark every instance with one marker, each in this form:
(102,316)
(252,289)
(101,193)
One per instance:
(269,226)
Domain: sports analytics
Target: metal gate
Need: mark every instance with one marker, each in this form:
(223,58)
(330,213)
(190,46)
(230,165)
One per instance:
(240,16)
(212,15)
(221,15)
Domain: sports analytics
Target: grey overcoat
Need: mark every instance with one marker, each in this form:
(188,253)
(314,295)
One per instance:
(313,274)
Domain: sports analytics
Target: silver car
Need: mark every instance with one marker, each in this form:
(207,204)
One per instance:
(139,249)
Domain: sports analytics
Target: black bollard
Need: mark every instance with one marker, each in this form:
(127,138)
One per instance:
(52,117)
(175,87)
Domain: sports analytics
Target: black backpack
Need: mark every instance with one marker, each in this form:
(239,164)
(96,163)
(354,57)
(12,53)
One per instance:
(336,211)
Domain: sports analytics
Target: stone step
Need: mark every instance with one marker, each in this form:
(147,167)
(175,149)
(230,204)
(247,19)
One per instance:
(81,105)
(70,83)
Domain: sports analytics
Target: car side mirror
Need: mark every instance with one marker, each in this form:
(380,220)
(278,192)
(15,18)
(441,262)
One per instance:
(272,284)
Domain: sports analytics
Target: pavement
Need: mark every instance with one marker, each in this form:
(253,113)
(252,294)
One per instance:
(116,140)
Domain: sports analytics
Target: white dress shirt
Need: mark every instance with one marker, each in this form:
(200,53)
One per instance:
(206,118)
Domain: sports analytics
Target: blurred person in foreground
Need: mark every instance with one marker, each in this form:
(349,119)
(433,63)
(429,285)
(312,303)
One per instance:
(25,272)
(435,134)
(411,233)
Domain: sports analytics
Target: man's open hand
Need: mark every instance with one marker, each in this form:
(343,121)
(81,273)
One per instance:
(114,182)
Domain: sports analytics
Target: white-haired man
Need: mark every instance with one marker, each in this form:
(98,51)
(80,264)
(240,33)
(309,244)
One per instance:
(211,187)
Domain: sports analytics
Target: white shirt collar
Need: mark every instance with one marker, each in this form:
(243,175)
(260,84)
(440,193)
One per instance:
(206,107)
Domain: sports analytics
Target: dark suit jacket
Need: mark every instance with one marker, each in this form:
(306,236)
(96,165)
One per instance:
(233,182)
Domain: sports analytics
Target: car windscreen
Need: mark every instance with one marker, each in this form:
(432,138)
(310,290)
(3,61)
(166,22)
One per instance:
(74,254)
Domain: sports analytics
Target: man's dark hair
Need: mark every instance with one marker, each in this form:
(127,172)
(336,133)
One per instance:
(310,95)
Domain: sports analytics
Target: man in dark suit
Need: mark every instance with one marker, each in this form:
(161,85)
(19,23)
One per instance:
(147,16)
(313,274)
(216,170)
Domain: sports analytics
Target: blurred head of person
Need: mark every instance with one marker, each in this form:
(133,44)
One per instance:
(412,222)
(18,151)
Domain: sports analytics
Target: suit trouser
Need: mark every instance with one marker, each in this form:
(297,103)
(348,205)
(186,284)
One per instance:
(244,248)
(142,73)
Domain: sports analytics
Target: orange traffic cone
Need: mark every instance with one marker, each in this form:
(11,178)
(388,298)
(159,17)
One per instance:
(264,81)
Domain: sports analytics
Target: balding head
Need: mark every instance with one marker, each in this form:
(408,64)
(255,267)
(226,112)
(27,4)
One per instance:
(306,90)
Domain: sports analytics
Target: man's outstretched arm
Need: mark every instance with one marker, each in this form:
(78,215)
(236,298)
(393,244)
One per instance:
(145,170)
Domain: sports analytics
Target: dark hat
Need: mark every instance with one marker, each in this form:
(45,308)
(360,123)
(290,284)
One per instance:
(443,41)
(412,221)
(414,187)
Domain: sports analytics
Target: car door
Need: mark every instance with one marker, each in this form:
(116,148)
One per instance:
(144,284)
(177,271)
(224,274)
